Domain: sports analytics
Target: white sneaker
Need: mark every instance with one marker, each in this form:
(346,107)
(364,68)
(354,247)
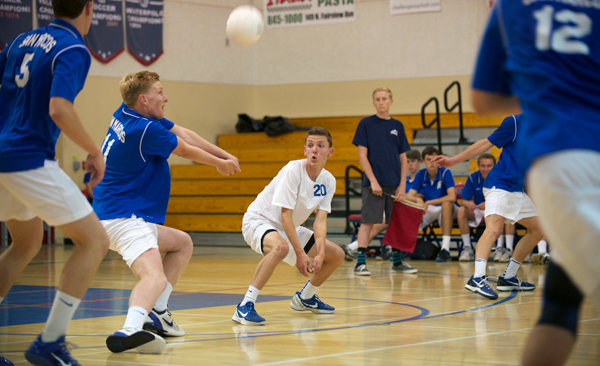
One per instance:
(506,256)
(500,252)
(467,254)
(162,324)
(540,258)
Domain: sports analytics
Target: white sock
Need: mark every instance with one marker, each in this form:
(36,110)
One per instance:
(446,242)
(510,241)
(136,316)
(308,291)
(251,295)
(511,269)
(542,248)
(163,299)
(480,265)
(500,243)
(466,238)
(353,246)
(63,308)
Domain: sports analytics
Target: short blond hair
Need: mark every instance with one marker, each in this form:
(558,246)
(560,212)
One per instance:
(134,84)
(385,89)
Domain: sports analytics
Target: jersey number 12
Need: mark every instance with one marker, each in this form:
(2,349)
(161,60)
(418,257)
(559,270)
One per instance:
(563,39)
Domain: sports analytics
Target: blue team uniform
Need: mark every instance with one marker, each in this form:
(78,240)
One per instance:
(506,175)
(137,179)
(48,62)
(385,140)
(435,189)
(546,53)
(473,188)
(409,184)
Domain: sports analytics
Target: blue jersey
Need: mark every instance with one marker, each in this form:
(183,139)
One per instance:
(473,189)
(435,189)
(506,175)
(385,140)
(137,179)
(548,54)
(409,184)
(48,62)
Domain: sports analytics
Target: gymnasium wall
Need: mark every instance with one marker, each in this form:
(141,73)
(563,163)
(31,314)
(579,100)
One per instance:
(327,70)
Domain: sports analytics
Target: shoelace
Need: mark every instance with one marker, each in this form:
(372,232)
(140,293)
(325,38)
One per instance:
(64,349)
(485,282)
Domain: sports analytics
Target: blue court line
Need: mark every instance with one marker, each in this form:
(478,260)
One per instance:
(423,315)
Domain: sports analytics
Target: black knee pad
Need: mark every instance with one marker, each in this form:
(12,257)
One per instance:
(562,300)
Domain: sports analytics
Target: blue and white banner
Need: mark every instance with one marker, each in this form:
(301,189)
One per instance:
(295,13)
(45,14)
(414,6)
(15,18)
(144,19)
(106,39)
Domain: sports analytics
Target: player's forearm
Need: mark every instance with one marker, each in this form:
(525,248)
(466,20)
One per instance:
(290,229)
(439,201)
(403,163)
(192,138)
(197,154)
(66,118)
(487,103)
(320,230)
(472,151)
(364,162)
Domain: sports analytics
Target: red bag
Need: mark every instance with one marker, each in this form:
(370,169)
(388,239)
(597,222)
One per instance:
(403,229)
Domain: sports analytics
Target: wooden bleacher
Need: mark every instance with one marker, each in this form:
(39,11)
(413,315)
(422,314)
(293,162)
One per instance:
(205,201)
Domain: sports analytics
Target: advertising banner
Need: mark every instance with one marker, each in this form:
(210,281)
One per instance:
(295,13)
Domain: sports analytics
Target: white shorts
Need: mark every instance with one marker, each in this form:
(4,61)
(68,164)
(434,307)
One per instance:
(513,206)
(479,214)
(131,237)
(255,226)
(46,192)
(566,186)
(433,214)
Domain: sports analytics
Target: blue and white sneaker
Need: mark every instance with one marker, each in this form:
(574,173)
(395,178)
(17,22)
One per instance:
(246,315)
(5,362)
(479,285)
(515,283)
(129,338)
(313,304)
(162,324)
(49,354)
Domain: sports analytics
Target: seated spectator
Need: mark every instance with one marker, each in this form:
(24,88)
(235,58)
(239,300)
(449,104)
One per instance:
(472,209)
(433,187)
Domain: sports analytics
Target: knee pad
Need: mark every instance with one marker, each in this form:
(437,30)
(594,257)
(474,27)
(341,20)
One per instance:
(562,300)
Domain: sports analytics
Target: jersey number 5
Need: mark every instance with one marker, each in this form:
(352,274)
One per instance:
(320,190)
(562,39)
(23,77)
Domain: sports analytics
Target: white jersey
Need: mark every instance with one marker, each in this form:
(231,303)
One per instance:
(292,188)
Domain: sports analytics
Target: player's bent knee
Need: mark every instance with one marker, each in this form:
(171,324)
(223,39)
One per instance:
(282,250)
(562,300)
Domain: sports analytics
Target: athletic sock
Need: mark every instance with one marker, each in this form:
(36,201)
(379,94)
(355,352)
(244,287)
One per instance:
(446,242)
(500,243)
(308,291)
(480,266)
(353,246)
(511,269)
(542,248)
(136,316)
(163,299)
(396,257)
(362,252)
(63,308)
(251,295)
(466,238)
(510,240)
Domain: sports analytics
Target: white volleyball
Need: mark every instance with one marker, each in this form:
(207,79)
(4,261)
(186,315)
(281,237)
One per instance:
(245,25)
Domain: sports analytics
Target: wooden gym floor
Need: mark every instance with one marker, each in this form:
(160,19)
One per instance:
(426,318)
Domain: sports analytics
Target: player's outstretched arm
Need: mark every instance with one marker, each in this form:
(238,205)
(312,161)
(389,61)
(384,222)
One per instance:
(302,259)
(487,103)
(472,151)
(192,138)
(66,118)
(187,151)
(320,230)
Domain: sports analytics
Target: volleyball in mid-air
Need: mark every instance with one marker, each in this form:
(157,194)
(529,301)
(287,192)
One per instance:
(245,25)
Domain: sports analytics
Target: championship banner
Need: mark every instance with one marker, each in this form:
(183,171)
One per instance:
(45,14)
(295,13)
(105,39)
(414,6)
(15,18)
(144,20)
